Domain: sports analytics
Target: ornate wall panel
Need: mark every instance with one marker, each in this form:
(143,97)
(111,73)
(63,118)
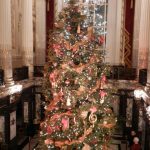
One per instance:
(49,19)
(128,31)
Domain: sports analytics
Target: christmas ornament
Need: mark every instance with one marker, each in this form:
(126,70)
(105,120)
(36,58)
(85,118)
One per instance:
(68,102)
(102,100)
(59,25)
(102,93)
(93,109)
(49,130)
(90,32)
(53,76)
(84,114)
(76,61)
(92,118)
(64,148)
(101,40)
(103,78)
(65,123)
(78,30)
(86,147)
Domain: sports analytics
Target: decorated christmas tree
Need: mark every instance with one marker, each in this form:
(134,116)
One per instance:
(78,112)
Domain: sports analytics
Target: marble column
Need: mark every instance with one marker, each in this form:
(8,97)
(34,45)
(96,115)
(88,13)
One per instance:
(137,20)
(27,35)
(113,31)
(141,34)
(40,35)
(148,69)
(6,40)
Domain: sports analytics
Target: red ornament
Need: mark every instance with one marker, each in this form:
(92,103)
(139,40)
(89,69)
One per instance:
(65,122)
(102,93)
(67,82)
(49,130)
(57,49)
(103,79)
(101,39)
(61,94)
(93,109)
(68,28)
(94,141)
(52,77)
(74,48)
(57,128)
(47,142)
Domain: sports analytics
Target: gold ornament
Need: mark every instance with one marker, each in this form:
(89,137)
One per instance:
(84,114)
(78,30)
(59,25)
(86,147)
(90,32)
(92,118)
(81,88)
(102,101)
(68,102)
(64,148)
(105,124)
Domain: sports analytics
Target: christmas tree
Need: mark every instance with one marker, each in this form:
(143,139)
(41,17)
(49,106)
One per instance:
(78,103)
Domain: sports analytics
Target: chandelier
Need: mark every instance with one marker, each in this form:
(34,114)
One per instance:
(93,1)
(89,1)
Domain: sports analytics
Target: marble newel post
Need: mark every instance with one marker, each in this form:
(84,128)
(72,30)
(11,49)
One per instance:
(6,40)
(27,35)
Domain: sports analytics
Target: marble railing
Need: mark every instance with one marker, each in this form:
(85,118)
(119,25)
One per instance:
(125,84)
(19,86)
